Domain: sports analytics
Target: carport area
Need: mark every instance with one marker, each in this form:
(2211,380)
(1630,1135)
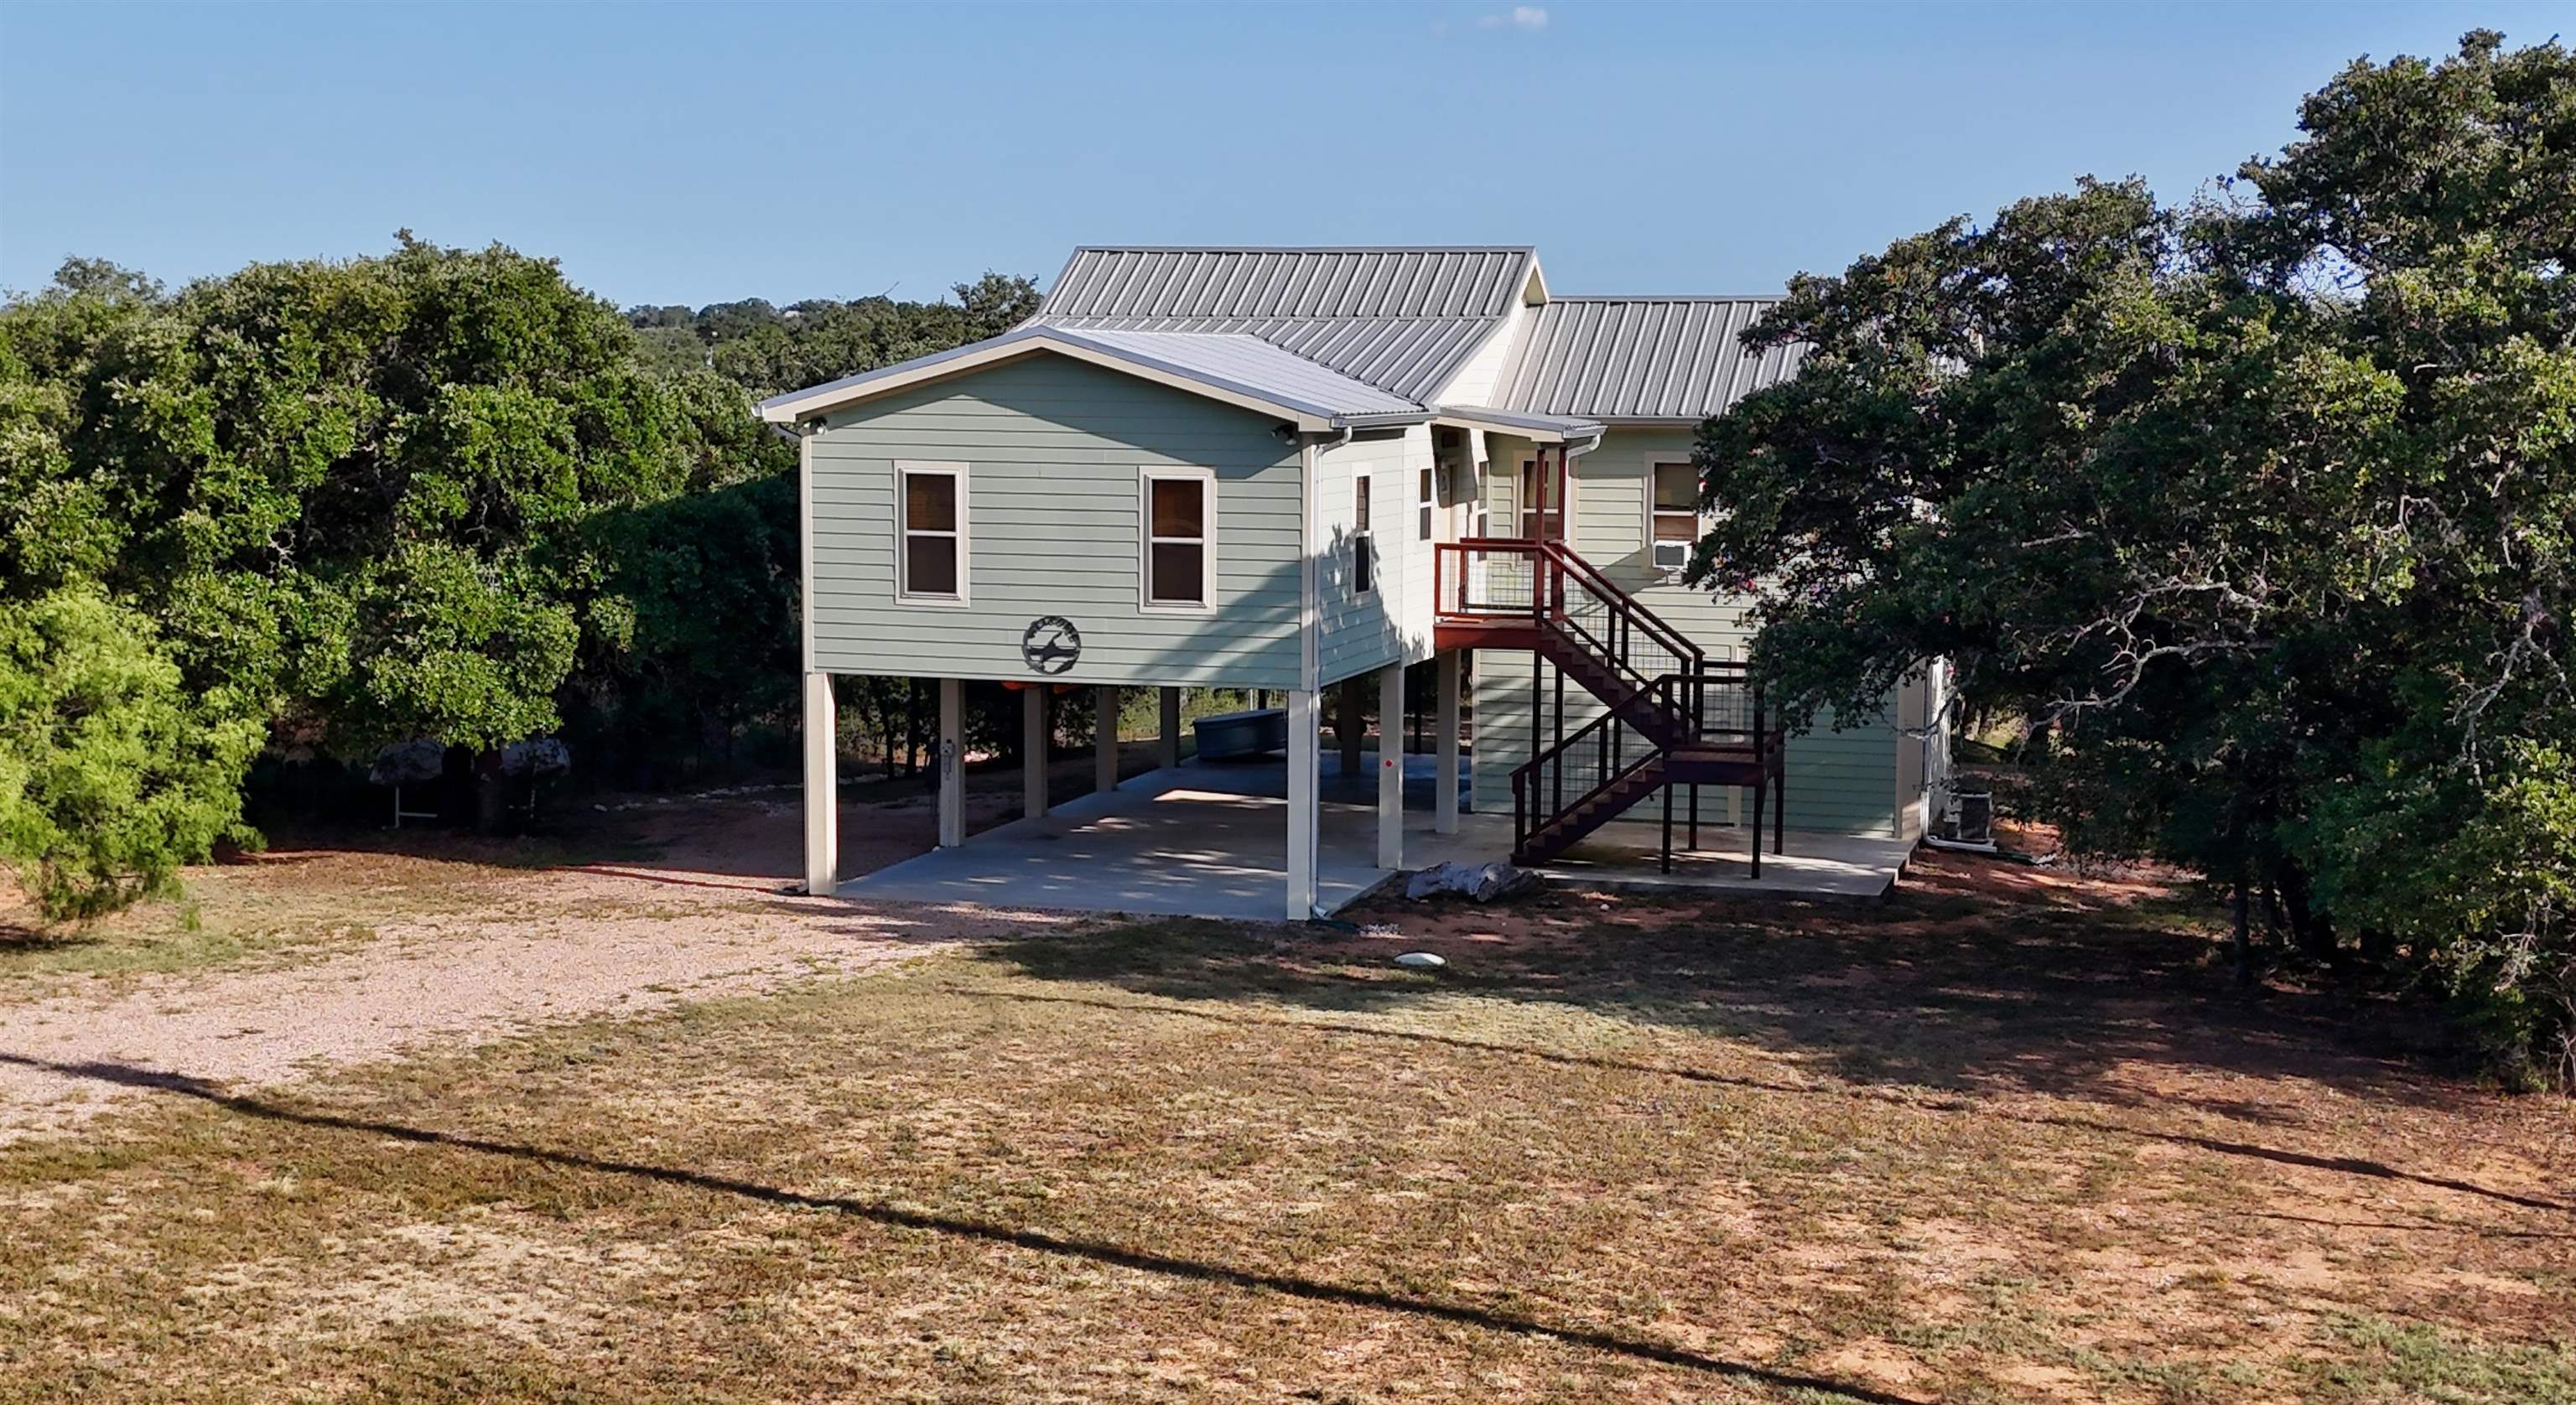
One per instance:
(1210,840)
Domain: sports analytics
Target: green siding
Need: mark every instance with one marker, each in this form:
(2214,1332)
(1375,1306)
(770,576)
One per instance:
(1053,449)
(1840,782)
(1356,633)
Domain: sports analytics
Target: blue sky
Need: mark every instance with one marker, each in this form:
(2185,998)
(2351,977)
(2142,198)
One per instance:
(690,154)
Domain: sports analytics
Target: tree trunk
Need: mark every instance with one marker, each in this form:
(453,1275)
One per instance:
(491,794)
(2244,936)
(2314,934)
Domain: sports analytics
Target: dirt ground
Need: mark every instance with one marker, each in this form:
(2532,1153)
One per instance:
(326,953)
(2012,1136)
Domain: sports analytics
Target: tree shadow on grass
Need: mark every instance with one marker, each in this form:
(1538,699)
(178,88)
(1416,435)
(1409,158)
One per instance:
(1636,1349)
(2347,1165)
(1957,984)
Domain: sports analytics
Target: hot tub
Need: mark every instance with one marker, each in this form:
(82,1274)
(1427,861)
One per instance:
(1228,736)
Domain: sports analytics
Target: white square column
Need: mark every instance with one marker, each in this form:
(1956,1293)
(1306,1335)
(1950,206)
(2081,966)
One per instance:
(1167,752)
(1350,729)
(1390,766)
(1104,738)
(1302,810)
(1444,800)
(822,787)
(952,763)
(1033,750)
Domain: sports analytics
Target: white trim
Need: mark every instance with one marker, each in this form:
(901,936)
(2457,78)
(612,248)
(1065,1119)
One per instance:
(1584,430)
(1146,475)
(825,399)
(1309,531)
(805,538)
(1376,559)
(904,594)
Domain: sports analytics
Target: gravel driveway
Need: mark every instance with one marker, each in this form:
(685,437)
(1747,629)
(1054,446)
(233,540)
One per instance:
(706,918)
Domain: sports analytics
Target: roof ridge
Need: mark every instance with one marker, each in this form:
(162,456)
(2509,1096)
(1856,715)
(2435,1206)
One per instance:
(1782,296)
(1306,248)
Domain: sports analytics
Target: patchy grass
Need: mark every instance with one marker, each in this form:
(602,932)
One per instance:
(316,894)
(2008,1138)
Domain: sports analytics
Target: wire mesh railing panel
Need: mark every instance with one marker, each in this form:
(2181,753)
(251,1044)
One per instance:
(1502,579)
(1602,751)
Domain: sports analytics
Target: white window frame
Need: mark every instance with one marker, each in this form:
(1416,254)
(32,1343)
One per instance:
(1146,477)
(1699,520)
(1365,531)
(904,469)
(1426,483)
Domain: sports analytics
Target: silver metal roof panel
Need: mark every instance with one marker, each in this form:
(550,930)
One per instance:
(1231,364)
(1401,319)
(1640,358)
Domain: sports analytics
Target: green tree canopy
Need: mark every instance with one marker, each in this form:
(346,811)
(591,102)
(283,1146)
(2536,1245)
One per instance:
(440,493)
(2262,509)
(767,350)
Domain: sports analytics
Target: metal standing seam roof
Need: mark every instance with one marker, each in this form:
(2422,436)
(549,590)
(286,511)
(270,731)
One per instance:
(1241,365)
(1401,319)
(1640,358)
(1249,365)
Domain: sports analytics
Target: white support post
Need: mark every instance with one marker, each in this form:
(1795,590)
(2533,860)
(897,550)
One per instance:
(1349,728)
(1104,739)
(1168,750)
(1390,766)
(1302,811)
(952,763)
(1444,802)
(822,787)
(1033,750)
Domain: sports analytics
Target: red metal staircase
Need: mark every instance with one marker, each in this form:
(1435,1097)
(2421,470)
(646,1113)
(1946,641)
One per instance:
(1670,718)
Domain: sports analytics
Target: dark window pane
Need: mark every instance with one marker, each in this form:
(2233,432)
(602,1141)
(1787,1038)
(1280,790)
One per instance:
(1363,515)
(1363,565)
(930,565)
(1180,507)
(1676,527)
(930,502)
(1676,488)
(1176,574)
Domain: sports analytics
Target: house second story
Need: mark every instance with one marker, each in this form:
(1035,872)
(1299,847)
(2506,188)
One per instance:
(1235,467)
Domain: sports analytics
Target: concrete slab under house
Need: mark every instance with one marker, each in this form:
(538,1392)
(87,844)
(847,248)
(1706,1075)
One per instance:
(1301,471)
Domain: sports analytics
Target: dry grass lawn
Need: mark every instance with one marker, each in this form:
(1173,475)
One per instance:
(2008,1137)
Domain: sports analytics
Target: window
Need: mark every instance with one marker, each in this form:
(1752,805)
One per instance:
(1363,541)
(1179,548)
(1541,513)
(1422,526)
(1674,518)
(933,508)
